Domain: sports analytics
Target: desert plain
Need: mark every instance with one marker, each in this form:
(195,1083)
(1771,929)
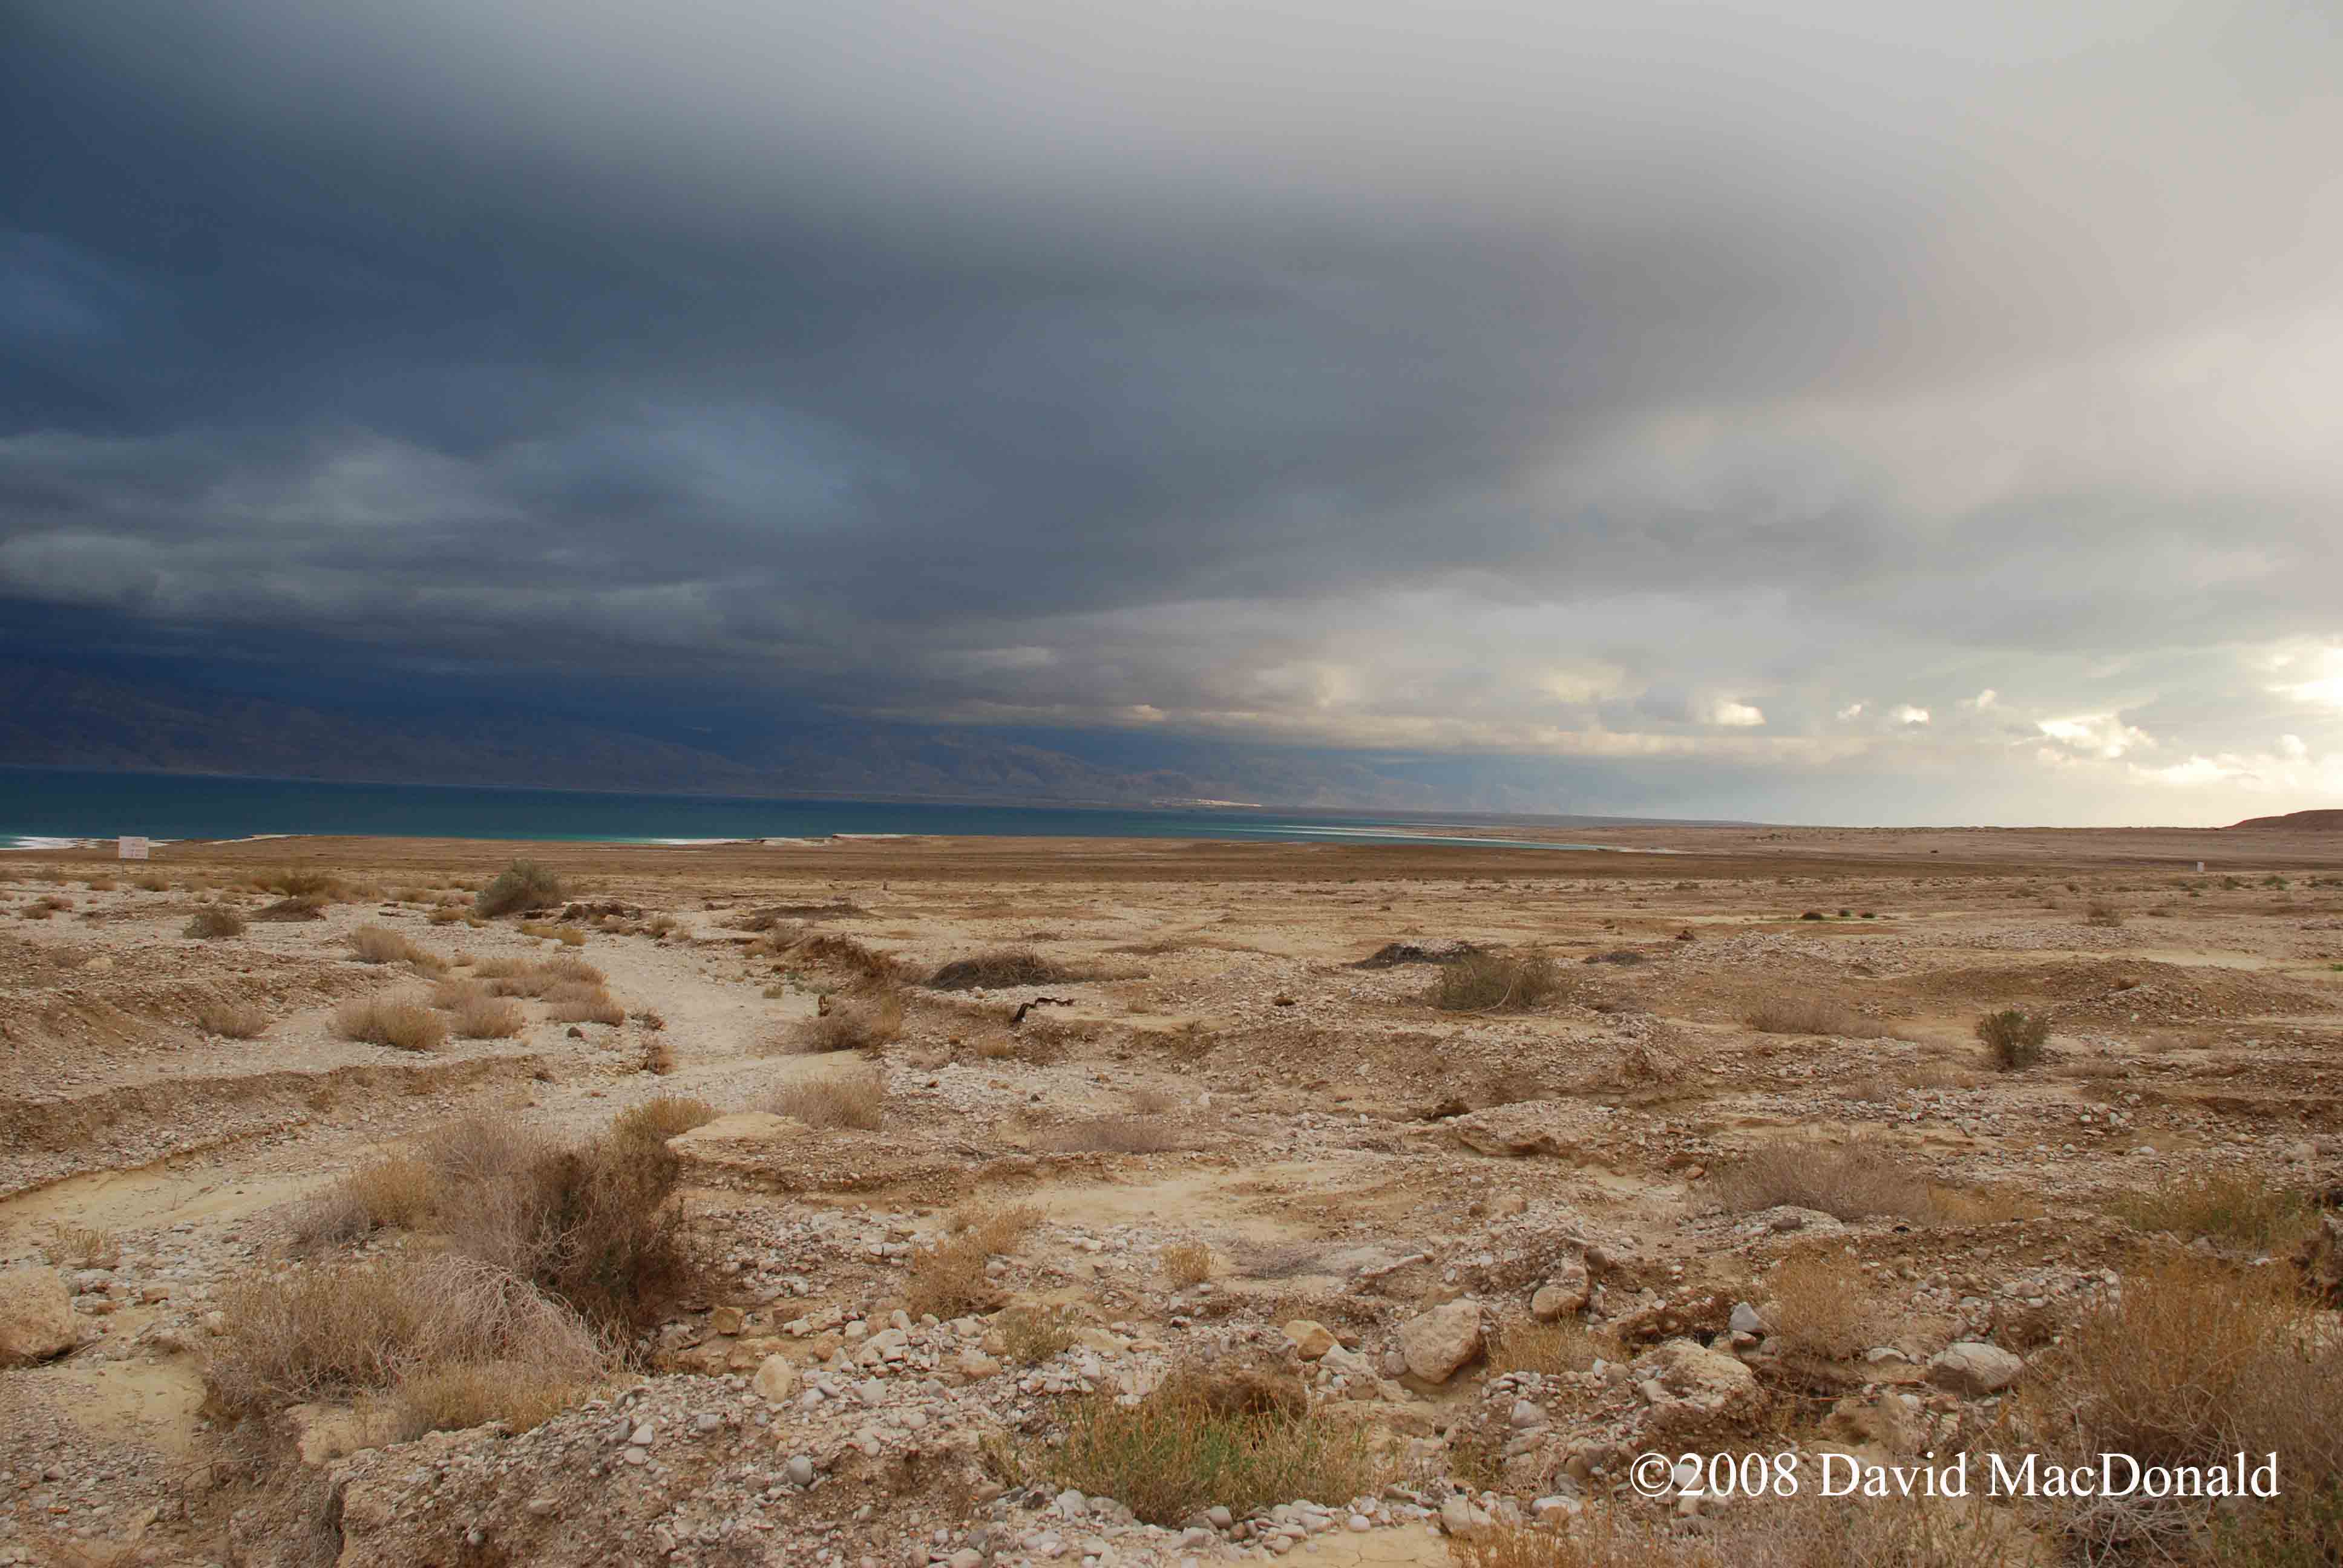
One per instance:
(1142,1204)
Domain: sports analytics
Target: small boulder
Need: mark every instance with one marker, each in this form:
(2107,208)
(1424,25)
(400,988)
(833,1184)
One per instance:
(1974,1369)
(37,1316)
(775,1380)
(1310,1339)
(1438,1343)
(1564,1293)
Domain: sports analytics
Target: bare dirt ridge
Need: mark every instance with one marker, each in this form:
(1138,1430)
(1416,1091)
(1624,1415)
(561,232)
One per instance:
(1704,1153)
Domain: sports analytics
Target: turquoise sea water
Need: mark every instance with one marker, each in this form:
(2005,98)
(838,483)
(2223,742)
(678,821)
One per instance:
(39,805)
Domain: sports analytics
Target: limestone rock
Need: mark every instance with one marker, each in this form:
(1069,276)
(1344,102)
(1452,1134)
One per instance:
(775,1380)
(1564,1293)
(1566,1129)
(1310,1339)
(1692,1388)
(37,1316)
(1974,1368)
(1441,1341)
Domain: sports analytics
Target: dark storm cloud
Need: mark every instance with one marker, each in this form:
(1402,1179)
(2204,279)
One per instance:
(1664,382)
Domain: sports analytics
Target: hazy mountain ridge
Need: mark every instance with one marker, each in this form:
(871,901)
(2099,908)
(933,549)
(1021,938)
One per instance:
(59,718)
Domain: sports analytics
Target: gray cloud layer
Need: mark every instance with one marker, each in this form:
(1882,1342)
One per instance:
(1688,382)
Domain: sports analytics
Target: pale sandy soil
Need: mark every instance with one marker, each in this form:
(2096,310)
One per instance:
(1325,1116)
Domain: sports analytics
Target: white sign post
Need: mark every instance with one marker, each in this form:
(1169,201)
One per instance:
(127,848)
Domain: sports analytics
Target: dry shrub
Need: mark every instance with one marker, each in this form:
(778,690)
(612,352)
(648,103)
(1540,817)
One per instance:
(595,1224)
(1110,1135)
(294,907)
(1826,1307)
(447,915)
(151,882)
(658,1058)
(381,945)
(1848,1181)
(581,1001)
(1186,1263)
(1496,982)
(1241,1438)
(83,1247)
(1550,1349)
(489,1017)
(523,884)
(466,1395)
(947,1277)
(663,1117)
(2013,1038)
(2235,1207)
(392,1194)
(398,1021)
(998,968)
(2103,915)
(1031,1335)
(499,966)
(1813,1016)
(337,1330)
(1000,1231)
(1152,1100)
(232,1020)
(1806,1531)
(853,1023)
(212,923)
(2191,1363)
(844,954)
(450,994)
(855,1096)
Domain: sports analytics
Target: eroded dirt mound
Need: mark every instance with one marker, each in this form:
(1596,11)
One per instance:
(2109,991)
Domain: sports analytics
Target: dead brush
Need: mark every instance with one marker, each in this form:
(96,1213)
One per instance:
(1848,1181)
(1241,1438)
(948,1276)
(337,1330)
(852,1023)
(392,1194)
(2237,1207)
(294,907)
(1186,1263)
(381,945)
(843,955)
(998,969)
(663,1117)
(1813,1016)
(1496,982)
(487,1018)
(459,1396)
(1826,1307)
(1110,1135)
(232,1020)
(400,1022)
(2192,1362)
(213,922)
(593,1223)
(854,1097)
(83,1247)
(1031,1335)
(582,1002)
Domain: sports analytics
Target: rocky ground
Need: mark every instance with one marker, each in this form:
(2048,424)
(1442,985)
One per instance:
(1511,1249)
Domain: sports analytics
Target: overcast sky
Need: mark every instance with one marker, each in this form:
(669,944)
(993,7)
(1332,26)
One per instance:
(1884,412)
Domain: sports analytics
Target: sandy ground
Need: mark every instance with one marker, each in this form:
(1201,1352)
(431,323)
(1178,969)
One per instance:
(1348,1153)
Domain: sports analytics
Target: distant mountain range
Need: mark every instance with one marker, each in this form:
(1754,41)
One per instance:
(2321,821)
(86,718)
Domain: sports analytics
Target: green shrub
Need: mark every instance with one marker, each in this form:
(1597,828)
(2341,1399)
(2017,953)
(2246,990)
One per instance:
(523,884)
(2012,1037)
